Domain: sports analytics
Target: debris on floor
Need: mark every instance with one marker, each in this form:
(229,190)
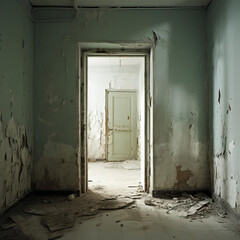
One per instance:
(60,214)
(54,216)
(134,196)
(196,208)
(188,206)
(150,202)
(71,197)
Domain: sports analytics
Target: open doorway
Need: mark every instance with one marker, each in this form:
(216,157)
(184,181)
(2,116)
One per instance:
(115,120)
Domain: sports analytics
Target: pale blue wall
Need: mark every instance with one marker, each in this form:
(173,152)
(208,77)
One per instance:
(16,102)
(180,95)
(223,21)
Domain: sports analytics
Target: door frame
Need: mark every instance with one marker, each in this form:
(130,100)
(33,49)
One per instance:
(83,97)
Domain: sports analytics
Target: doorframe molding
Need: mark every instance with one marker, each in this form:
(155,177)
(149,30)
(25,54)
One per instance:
(120,50)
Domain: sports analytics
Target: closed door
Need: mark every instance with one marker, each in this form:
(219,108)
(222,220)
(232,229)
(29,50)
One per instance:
(121,127)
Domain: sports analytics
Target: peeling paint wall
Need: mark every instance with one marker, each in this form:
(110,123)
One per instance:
(179,98)
(223,73)
(16,87)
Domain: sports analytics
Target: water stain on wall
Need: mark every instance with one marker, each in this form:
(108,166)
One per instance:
(183,177)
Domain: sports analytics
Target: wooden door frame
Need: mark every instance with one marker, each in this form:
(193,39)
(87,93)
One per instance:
(83,87)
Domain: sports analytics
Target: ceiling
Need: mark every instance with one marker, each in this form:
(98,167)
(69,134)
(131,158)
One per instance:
(122,3)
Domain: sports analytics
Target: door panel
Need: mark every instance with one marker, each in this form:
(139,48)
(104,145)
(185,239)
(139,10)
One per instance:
(121,131)
(122,143)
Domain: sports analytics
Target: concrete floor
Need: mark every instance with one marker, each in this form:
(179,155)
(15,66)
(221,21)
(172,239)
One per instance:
(114,177)
(138,221)
(143,222)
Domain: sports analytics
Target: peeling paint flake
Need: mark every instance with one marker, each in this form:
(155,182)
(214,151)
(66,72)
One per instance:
(15,162)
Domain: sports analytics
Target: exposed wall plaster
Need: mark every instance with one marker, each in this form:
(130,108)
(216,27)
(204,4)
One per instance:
(223,56)
(57,168)
(15,162)
(187,158)
(96,135)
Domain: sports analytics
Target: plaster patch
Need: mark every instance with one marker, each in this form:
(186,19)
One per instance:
(57,169)
(96,135)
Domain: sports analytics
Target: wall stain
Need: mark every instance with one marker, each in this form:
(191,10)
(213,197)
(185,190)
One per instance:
(182,178)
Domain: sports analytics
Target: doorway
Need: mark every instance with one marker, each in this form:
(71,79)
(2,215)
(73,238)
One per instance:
(115,119)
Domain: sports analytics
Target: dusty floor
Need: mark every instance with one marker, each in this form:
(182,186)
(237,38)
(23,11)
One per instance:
(115,177)
(116,208)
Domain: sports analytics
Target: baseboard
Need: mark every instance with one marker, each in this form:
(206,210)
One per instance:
(56,192)
(177,193)
(231,212)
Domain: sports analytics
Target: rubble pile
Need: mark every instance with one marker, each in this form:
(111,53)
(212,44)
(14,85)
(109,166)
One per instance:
(188,206)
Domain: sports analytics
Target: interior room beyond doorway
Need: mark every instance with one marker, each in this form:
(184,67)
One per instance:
(115,120)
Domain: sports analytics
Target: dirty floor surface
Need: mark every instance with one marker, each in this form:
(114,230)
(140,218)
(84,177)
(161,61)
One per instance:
(116,208)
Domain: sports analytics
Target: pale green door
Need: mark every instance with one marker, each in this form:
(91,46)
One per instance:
(121,132)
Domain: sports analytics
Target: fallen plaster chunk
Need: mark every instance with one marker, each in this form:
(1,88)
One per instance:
(196,207)
(71,197)
(149,202)
(194,198)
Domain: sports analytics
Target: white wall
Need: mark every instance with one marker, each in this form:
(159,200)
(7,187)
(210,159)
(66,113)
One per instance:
(224,115)
(110,73)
